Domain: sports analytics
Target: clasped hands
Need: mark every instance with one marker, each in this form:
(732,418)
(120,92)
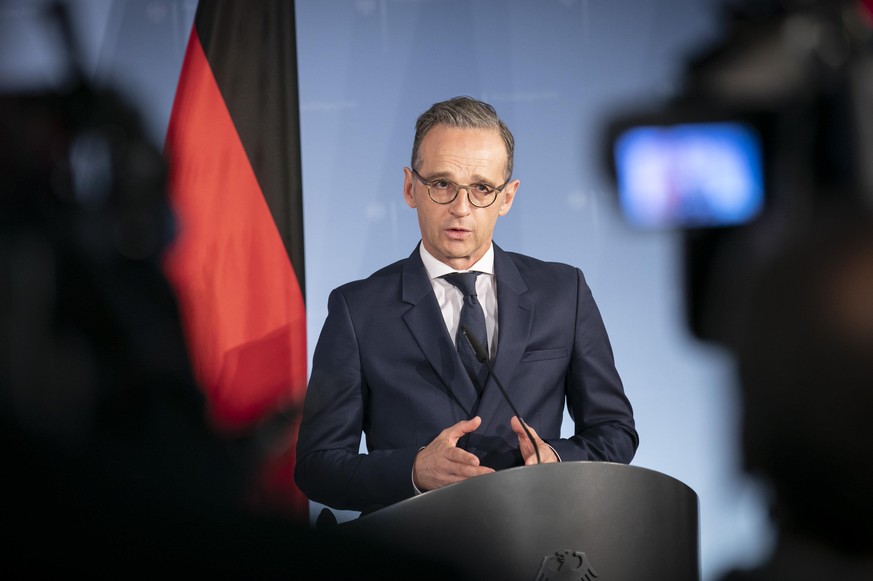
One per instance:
(441,462)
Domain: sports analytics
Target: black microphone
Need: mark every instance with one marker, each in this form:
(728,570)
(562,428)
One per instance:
(482,356)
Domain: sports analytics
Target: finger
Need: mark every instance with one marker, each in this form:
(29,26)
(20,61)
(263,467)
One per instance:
(460,474)
(527,447)
(455,432)
(515,424)
(547,455)
(446,465)
(460,456)
(473,471)
(464,464)
(517,427)
(470,425)
(533,433)
(531,460)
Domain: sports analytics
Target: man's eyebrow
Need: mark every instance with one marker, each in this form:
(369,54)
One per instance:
(439,175)
(476,179)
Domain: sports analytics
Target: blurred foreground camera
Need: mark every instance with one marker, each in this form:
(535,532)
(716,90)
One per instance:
(772,128)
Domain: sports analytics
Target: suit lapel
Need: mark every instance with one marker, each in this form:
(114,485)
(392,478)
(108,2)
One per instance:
(426,324)
(514,314)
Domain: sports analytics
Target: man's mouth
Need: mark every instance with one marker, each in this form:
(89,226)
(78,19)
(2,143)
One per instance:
(457,233)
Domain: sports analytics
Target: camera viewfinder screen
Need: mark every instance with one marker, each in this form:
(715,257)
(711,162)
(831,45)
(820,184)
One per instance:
(690,175)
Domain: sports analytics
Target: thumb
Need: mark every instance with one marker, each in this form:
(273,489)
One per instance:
(462,428)
(517,427)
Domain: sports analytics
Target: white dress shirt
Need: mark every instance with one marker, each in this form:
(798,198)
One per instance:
(451,301)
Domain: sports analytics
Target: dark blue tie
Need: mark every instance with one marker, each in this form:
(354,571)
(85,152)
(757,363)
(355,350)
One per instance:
(472,317)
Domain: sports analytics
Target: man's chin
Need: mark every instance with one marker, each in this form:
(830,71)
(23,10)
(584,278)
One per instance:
(458,250)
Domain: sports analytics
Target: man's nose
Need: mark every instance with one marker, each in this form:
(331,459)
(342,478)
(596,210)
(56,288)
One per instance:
(461,203)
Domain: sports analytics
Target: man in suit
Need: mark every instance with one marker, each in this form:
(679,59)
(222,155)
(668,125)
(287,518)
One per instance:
(389,361)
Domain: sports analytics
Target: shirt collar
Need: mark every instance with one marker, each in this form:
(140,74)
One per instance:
(436,269)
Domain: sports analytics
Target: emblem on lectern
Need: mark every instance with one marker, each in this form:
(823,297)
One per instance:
(566,565)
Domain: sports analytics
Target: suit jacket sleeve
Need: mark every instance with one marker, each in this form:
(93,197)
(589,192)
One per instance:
(329,467)
(602,414)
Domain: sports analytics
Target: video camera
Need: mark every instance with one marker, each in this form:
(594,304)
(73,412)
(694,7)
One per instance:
(772,127)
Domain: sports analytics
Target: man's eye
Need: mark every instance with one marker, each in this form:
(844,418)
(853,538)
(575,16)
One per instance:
(441,184)
(482,188)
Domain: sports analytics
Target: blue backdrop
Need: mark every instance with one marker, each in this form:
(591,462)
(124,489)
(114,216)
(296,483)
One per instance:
(556,70)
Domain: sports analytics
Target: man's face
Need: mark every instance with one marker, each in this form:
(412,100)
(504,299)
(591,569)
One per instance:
(459,233)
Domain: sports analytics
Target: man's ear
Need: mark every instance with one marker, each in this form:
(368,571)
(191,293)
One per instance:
(508,197)
(408,183)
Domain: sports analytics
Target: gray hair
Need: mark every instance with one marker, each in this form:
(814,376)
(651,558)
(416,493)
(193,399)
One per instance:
(463,113)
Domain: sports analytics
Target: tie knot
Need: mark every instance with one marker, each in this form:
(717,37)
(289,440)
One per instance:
(465,281)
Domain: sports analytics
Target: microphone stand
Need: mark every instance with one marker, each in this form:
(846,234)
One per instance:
(482,356)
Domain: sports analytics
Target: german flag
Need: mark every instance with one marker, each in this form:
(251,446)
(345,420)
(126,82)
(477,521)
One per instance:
(233,148)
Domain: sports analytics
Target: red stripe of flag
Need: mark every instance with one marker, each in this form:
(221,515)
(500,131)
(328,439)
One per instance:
(242,305)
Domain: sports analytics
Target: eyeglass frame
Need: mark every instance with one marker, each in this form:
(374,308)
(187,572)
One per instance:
(427,184)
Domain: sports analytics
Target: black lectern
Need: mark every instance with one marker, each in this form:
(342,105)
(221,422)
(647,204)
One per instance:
(574,520)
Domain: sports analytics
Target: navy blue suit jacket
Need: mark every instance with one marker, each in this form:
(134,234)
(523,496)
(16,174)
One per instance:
(385,366)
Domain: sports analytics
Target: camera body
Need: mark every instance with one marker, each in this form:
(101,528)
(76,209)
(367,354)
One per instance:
(773,127)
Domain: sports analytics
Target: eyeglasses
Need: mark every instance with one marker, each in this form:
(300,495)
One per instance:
(444,191)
